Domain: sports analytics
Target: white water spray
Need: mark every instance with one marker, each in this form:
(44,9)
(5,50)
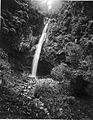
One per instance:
(38,51)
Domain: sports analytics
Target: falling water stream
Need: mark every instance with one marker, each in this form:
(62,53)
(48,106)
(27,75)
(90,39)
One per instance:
(38,51)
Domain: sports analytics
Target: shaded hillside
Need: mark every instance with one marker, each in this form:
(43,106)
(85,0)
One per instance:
(19,29)
(19,19)
(70,41)
(74,24)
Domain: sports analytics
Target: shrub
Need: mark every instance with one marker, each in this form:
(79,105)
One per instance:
(61,72)
(73,54)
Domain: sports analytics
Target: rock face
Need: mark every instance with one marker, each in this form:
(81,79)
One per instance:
(44,68)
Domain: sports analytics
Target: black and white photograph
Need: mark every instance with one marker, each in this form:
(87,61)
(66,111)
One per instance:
(46,59)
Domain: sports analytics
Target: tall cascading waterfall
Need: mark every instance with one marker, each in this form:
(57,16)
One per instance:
(38,51)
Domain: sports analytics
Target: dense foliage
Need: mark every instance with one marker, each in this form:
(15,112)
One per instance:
(20,22)
(70,42)
(21,26)
(65,69)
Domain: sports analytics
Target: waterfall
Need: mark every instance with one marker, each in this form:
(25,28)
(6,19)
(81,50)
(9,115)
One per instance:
(38,51)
